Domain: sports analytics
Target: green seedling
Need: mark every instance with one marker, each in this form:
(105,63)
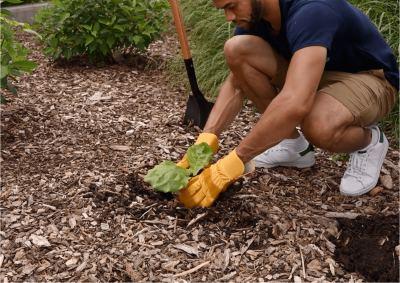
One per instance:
(167,177)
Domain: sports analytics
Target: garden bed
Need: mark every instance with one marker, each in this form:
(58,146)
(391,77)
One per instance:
(76,142)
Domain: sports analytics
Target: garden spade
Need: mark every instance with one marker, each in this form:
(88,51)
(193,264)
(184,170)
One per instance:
(197,107)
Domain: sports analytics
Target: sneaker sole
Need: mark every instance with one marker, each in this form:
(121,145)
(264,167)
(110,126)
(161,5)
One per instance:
(286,164)
(366,190)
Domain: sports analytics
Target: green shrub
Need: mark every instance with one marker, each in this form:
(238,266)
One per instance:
(97,28)
(13,55)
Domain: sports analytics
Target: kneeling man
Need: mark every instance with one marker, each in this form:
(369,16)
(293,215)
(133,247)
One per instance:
(318,64)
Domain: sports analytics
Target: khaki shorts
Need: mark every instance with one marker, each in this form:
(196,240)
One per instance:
(368,95)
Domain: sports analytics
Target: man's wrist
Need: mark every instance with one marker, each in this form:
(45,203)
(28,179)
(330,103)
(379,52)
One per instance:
(242,155)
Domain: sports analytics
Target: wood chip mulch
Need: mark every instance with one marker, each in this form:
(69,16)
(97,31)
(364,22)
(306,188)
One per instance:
(76,142)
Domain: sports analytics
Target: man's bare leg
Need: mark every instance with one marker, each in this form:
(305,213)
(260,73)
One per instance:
(253,64)
(330,126)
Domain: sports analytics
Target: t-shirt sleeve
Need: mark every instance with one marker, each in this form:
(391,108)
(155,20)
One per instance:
(314,24)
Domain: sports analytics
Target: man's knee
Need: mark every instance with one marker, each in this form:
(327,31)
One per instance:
(327,122)
(235,50)
(320,132)
(240,49)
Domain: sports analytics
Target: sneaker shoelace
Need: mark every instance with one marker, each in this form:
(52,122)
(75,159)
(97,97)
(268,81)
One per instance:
(357,164)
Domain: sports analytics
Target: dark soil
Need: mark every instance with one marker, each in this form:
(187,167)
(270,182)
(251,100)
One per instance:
(232,214)
(367,245)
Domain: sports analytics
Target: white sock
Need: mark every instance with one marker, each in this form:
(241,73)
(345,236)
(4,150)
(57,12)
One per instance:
(374,139)
(298,144)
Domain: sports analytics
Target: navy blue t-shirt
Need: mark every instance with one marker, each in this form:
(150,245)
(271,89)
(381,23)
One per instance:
(353,42)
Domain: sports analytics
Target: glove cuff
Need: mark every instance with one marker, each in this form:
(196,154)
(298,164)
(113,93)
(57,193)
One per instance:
(210,139)
(231,166)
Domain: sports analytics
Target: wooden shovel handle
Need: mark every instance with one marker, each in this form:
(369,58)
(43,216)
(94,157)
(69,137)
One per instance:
(180,28)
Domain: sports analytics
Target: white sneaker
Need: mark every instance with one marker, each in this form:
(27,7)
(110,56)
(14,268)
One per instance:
(364,166)
(285,154)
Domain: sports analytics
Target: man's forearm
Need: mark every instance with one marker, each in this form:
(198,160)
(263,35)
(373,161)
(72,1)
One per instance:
(227,106)
(290,106)
(277,123)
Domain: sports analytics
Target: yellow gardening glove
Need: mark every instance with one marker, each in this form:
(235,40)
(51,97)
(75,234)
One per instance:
(204,188)
(208,138)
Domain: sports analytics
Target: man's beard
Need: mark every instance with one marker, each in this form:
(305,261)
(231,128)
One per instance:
(257,12)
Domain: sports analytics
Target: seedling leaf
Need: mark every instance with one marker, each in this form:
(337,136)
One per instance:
(167,177)
(199,156)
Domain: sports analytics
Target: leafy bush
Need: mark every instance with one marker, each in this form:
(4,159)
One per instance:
(13,55)
(97,28)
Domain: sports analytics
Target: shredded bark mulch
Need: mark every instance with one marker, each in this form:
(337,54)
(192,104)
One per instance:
(76,143)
